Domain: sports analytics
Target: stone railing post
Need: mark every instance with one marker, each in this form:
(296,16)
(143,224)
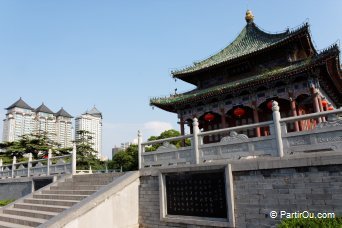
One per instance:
(48,162)
(13,165)
(1,168)
(195,141)
(277,128)
(29,165)
(73,159)
(139,150)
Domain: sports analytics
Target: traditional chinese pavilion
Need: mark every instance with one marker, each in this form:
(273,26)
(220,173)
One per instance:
(236,86)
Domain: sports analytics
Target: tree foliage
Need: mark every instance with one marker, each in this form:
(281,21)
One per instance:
(38,144)
(168,134)
(85,154)
(127,159)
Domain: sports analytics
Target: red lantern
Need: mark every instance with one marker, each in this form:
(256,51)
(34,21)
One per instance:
(239,112)
(209,117)
(324,103)
(269,105)
(330,108)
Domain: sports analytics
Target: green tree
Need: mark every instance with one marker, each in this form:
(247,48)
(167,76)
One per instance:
(167,134)
(125,159)
(38,144)
(85,154)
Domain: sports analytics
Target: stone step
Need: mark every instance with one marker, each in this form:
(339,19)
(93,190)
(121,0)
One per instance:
(79,187)
(59,197)
(97,175)
(12,225)
(69,192)
(38,207)
(66,203)
(30,213)
(91,179)
(22,220)
(90,183)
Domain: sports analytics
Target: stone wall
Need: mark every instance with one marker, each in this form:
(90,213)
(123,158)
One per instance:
(15,188)
(311,183)
(315,189)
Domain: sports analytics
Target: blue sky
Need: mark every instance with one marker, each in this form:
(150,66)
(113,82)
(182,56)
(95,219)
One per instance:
(117,54)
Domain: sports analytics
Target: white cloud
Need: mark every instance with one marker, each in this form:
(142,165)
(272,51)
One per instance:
(157,127)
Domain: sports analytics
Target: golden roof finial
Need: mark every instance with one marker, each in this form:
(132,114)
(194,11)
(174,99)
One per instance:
(249,16)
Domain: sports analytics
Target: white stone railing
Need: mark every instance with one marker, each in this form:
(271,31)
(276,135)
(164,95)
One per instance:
(166,154)
(51,165)
(326,136)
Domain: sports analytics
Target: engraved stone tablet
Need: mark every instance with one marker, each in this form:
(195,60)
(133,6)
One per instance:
(196,194)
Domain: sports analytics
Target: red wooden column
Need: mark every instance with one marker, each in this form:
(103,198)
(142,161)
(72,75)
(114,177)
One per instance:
(301,122)
(320,106)
(294,112)
(315,101)
(181,123)
(256,119)
(223,118)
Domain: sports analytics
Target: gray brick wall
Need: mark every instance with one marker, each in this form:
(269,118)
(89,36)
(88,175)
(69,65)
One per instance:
(256,193)
(15,190)
(313,189)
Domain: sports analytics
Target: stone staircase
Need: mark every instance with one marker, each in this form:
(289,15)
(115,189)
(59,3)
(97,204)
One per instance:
(37,208)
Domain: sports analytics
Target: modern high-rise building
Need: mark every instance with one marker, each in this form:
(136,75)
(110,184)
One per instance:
(64,128)
(91,121)
(45,121)
(22,119)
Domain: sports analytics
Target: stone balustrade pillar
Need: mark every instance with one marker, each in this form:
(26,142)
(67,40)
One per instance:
(13,165)
(196,141)
(29,164)
(48,162)
(139,150)
(73,159)
(277,128)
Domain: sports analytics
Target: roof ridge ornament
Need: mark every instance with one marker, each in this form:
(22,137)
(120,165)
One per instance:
(249,16)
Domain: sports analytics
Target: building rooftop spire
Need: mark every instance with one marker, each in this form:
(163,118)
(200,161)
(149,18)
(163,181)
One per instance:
(249,16)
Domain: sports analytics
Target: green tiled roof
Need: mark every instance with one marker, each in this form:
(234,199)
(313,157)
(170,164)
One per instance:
(250,40)
(195,95)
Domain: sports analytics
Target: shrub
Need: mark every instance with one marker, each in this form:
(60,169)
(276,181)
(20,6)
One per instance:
(311,223)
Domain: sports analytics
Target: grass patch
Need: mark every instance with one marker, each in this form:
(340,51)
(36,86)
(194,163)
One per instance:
(5,202)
